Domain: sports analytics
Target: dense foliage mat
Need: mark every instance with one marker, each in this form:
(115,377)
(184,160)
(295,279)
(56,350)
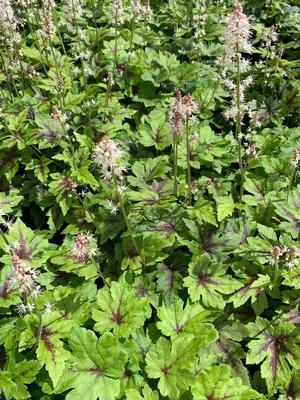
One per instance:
(149,199)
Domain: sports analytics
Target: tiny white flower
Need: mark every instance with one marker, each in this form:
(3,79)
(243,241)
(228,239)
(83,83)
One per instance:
(48,307)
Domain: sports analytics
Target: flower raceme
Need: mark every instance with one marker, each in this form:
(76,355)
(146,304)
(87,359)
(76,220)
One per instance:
(181,108)
(107,155)
(23,277)
(84,247)
(237,32)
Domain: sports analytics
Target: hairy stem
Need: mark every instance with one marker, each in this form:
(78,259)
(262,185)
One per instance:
(188,163)
(175,161)
(238,125)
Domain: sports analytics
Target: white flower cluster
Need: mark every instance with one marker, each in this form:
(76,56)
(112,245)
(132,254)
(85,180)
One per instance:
(116,12)
(8,25)
(141,12)
(108,155)
(8,19)
(289,254)
(237,32)
(84,247)
(199,19)
(270,38)
(295,157)
(48,28)
(182,108)
(23,277)
(74,10)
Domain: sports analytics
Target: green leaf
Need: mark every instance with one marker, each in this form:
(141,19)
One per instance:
(96,366)
(225,207)
(217,383)
(172,364)
(51,352)
(177,319)
(155,132)
(29,245)
(13,381)
(254,288)
(152,168)
(147,394)
(277,349)
(209,282)
(120,309)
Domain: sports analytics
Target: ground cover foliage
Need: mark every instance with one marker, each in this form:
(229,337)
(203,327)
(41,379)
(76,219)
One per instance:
(150,200)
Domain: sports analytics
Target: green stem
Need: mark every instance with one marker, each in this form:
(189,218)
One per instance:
(175,161)
(116,45)
(188,164)
(132,25)
(96,27)
(238,125)
(38,45)
(36,15)
(291,183)
(122,208)
(79,43)
(9,78)
(276,273)
(87,211)
(59,76)
(108,91)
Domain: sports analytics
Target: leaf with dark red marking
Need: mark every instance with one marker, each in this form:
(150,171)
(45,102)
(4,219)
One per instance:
(172,364)
(209,282)
(52,354)
(216,383)
(277,348)
(120,309)
(95,368)
(176,319)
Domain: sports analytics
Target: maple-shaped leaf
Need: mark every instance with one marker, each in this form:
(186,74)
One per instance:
(51,352)
(192,318)
(154,131)
(277,349)
(95,368)
(8,202)
(216,383)
(226,350)
(172,364)
(14,379)
(209,282)
(254,287)
(120,309)
(225,207)
(292,278)
(168,282)
(145,394)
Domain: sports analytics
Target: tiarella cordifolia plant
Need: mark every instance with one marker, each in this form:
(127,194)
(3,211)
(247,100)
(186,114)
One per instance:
(146,251)
(237,41)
